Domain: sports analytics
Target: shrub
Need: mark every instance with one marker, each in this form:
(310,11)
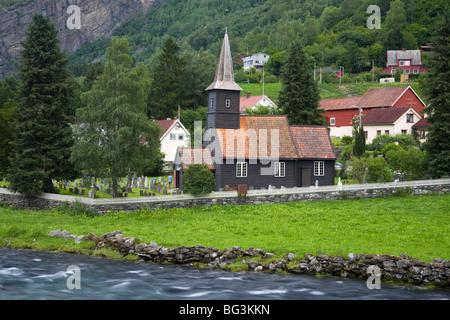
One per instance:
(404,140)
(378,170)
(198,179)
(358,170)
(411,163)
(347,140)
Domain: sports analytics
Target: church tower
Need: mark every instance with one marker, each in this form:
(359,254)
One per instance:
(224,93)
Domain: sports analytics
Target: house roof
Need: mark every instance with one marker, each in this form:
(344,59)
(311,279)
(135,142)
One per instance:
(312,142)
(249,102)
(384,115)
(422,123)
(165,126)
(188,156)
(224,78)
(372,98)
(394,55)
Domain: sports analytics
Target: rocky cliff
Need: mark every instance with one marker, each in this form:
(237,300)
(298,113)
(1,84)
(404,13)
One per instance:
(98,19)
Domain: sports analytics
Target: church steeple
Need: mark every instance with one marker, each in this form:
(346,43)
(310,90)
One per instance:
(224,93)
(224,78)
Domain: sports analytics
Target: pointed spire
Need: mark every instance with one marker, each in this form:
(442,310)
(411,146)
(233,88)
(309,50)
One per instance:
(224,75)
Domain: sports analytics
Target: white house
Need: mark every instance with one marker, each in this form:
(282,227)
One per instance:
(251,102)
(256,61)
(173,135)
(390,121)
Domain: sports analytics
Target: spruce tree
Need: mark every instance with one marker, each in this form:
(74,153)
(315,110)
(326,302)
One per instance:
(299,96)
(438,94)
(168,89)
(43,136)
(116,138)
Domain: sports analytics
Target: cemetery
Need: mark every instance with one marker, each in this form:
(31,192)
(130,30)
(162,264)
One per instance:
(128,187)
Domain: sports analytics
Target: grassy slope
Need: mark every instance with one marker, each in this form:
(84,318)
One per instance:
(327,90)
(417,226)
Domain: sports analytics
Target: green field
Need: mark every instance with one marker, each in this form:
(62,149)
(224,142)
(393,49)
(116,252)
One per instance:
(326,90)
(416,226)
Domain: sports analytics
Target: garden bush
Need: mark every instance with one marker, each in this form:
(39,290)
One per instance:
(198,179)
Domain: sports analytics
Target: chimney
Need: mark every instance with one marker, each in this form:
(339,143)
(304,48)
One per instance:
(249,94)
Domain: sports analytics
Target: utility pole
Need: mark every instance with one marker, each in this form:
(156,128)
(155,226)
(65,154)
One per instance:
(373,71)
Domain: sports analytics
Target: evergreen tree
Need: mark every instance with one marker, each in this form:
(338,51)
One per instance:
(116,138)
(438,94)
(43,135)
(168,89)
(359,146)
(299,96)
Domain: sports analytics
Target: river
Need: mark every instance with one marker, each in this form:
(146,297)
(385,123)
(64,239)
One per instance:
(42,275)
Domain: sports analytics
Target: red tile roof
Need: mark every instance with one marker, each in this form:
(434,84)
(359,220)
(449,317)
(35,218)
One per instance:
(373,98)
(313,142)
(188,156)
(423,123)
(250,102)
(256,131)
(384,115)
(165,125)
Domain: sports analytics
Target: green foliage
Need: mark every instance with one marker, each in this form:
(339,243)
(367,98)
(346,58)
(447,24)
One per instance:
(437,91)
(410,163)
(358,169)
(198,179)
(359,147)
(77,209)
(117,138)
(8,117)
(168,90)
(263,110)
(43,137)
(404,140)
(299,95)
(378,170)
(347,140)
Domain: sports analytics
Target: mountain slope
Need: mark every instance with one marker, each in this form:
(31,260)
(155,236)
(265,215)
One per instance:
(99,19)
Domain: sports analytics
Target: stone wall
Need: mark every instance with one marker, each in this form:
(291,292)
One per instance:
(401,268)
(414,188)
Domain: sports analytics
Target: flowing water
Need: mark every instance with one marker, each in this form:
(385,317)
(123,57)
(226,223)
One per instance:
(35,275)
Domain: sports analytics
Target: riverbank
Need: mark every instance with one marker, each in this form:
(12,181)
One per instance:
(404,269)
(396,226)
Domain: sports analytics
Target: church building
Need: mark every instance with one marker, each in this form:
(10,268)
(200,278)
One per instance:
(257,151)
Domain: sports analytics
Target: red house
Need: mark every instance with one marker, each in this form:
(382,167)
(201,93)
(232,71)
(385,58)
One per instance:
(341,111)
(410,61)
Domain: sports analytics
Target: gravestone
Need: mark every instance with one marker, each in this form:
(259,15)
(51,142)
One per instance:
(91,194)
(83,192)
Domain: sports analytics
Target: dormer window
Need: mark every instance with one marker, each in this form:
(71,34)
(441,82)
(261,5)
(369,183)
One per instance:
(228,103)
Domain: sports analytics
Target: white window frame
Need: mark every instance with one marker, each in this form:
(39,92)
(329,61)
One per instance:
(227,103)
(173,136)
(211,103)
(280,169)
(319,168)
(241,169)
(401,63)
(415,71)
(407,71)
(332,121)
(180,137)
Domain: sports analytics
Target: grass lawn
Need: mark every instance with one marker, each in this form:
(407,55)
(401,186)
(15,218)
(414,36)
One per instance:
(416,226)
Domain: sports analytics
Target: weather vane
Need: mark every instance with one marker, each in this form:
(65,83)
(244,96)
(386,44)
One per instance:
(226,20)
